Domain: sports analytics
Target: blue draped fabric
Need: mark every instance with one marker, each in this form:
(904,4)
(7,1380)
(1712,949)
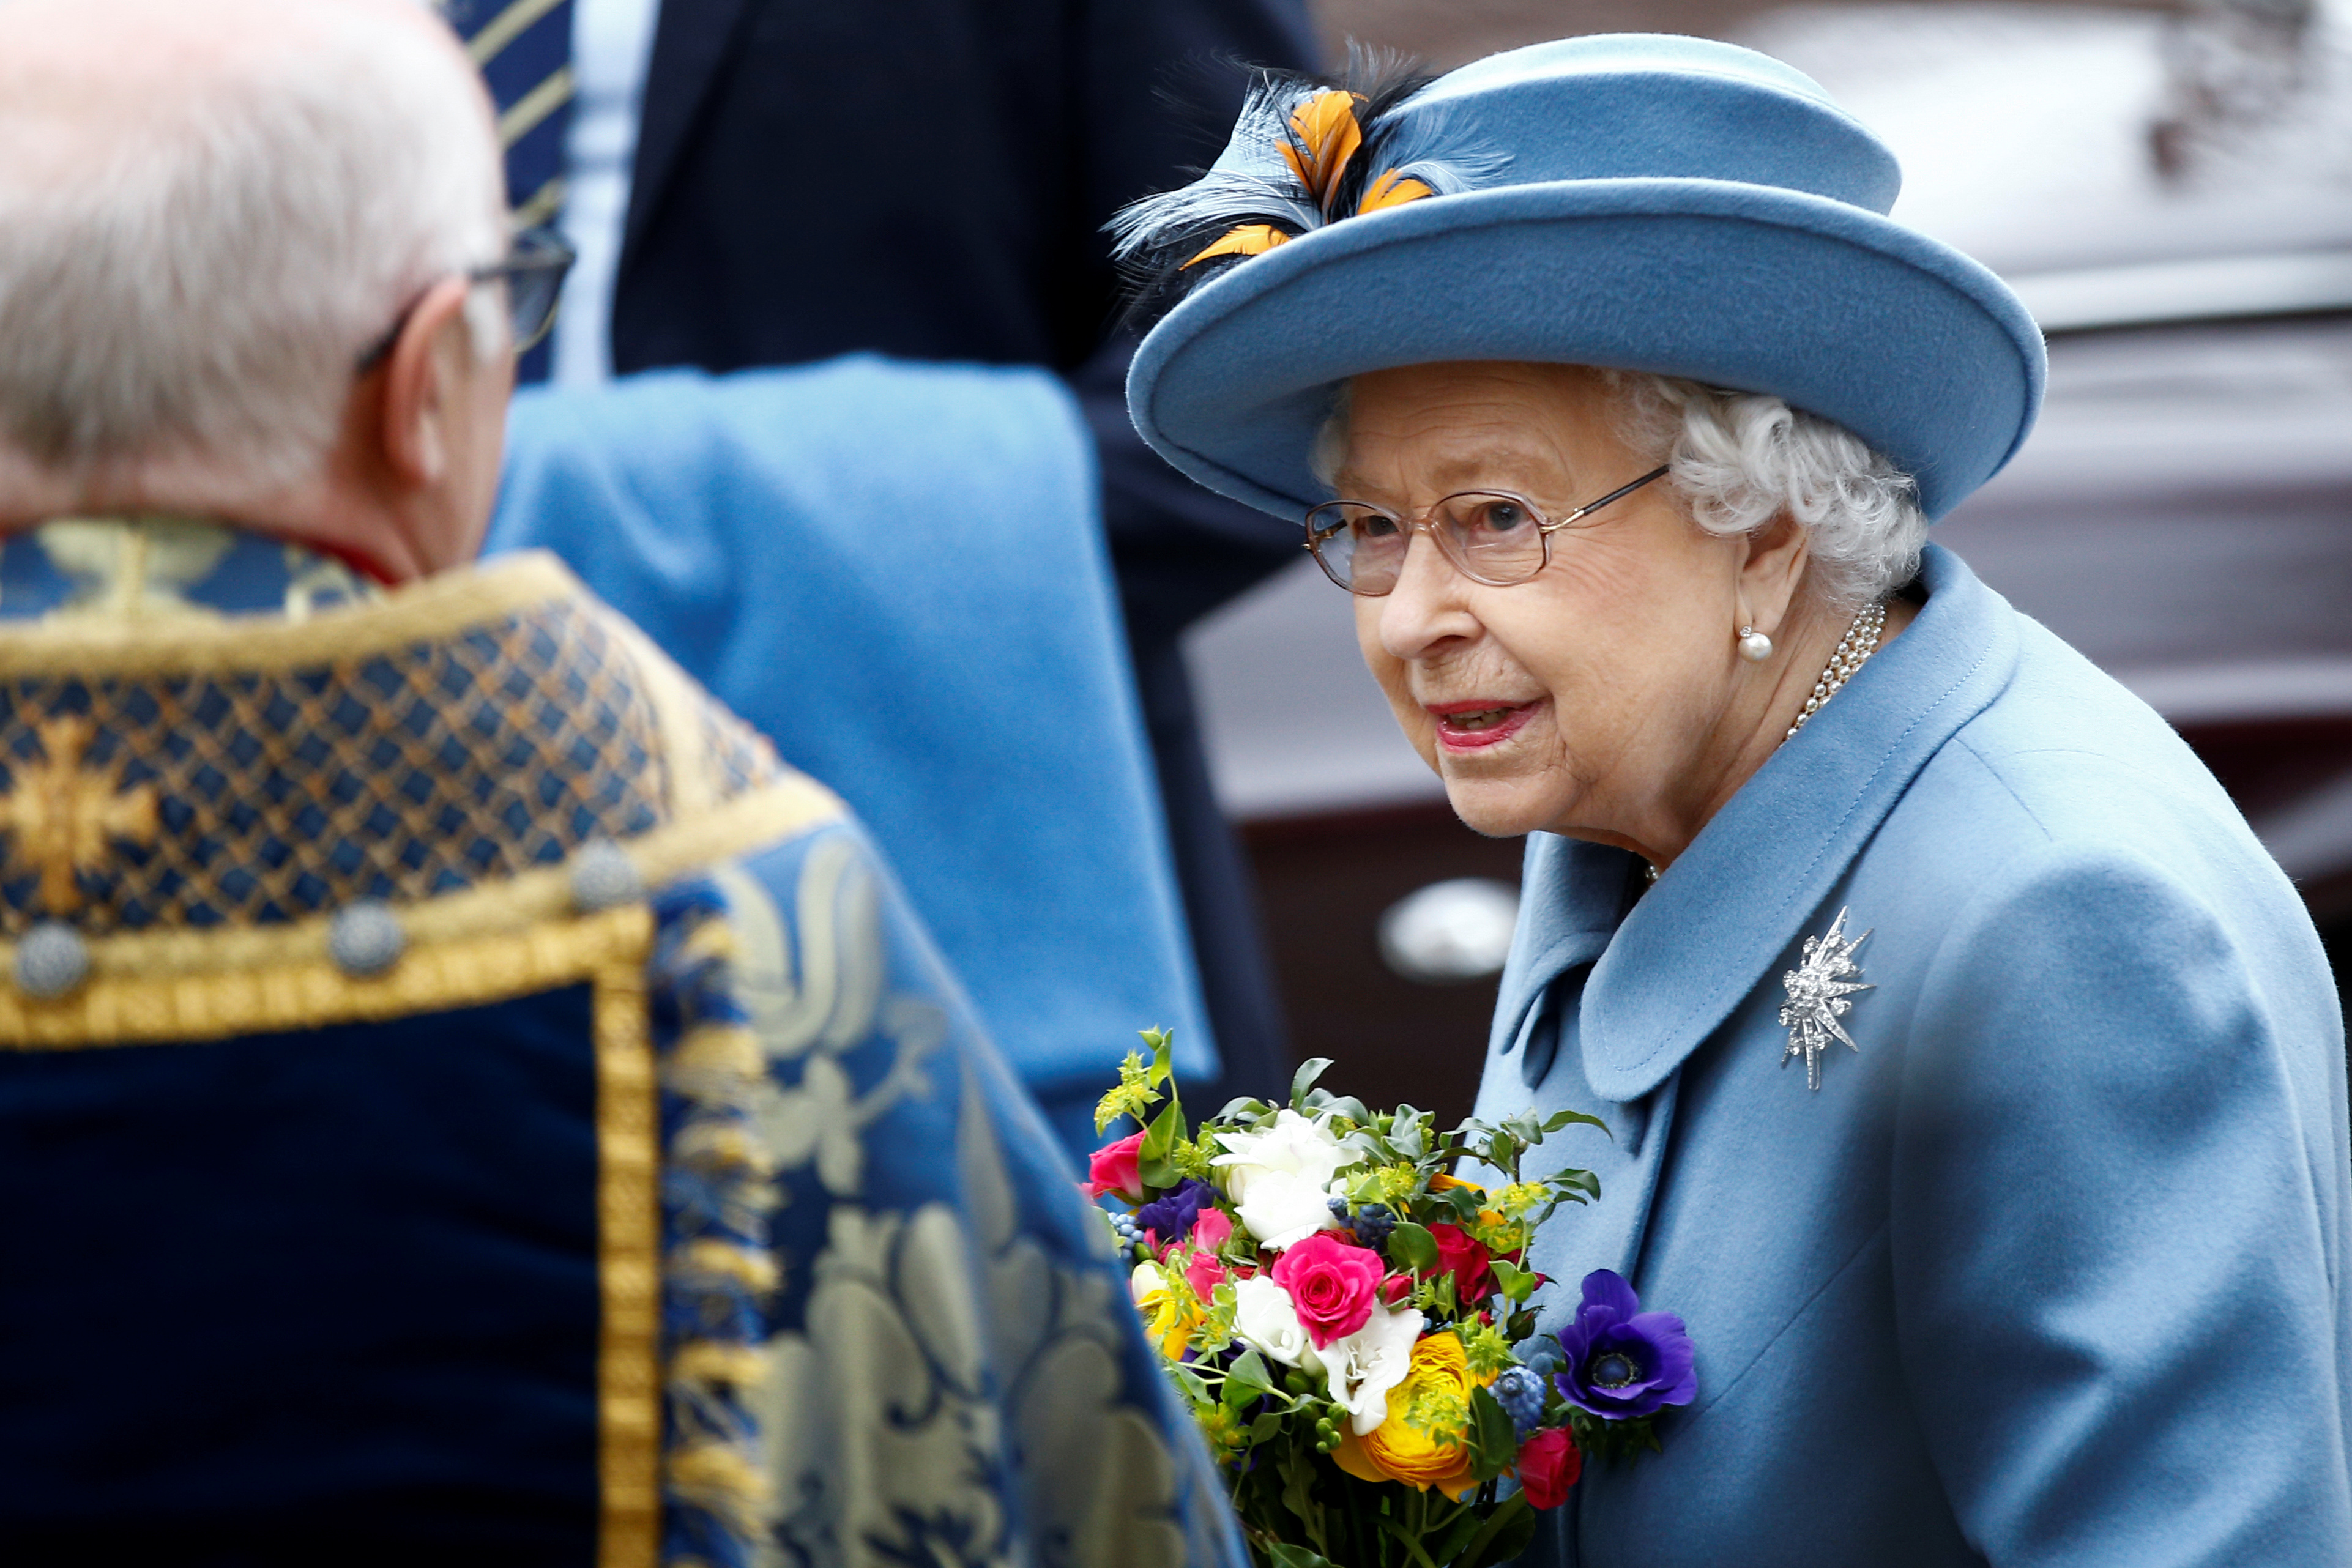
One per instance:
(897,573)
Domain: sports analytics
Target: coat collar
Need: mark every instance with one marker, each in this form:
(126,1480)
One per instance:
(1696,943)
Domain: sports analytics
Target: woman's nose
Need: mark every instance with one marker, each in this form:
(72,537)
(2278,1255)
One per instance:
(1425,607)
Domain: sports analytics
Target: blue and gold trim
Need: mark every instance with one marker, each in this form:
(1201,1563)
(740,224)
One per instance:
(195,797)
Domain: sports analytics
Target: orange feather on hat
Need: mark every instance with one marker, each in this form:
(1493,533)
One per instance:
(1323,136)
(1249,239)
(1392,189)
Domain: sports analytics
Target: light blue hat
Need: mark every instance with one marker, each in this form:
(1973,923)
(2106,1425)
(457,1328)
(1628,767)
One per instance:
(1636,201)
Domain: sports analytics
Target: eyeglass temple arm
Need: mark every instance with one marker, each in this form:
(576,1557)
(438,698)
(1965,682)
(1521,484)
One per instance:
(1617,494)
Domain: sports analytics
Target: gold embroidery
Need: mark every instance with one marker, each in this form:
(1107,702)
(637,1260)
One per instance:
(628,1230)
(420,611)
(790,806)
(60,818)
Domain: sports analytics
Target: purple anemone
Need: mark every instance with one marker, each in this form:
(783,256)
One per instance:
(1171,1218)
(1622,1361)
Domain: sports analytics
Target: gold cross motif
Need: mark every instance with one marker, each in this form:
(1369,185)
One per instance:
(60,818)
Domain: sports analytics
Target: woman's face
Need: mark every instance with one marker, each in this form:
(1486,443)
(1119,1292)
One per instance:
(1588,699)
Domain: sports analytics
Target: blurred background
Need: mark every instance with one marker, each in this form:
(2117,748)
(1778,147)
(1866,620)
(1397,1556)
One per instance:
(2170,187)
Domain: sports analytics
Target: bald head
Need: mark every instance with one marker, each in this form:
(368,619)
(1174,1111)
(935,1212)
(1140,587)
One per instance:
(208,208)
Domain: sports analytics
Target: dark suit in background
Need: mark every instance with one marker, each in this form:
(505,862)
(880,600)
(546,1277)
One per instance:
(930,178)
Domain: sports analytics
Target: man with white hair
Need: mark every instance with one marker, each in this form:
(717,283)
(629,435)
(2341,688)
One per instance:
(461,1100)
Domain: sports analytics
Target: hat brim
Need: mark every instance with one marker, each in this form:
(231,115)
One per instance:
(1912,346)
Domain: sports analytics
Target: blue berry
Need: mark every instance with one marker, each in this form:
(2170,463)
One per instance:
(1520,1393)
(1372,1225)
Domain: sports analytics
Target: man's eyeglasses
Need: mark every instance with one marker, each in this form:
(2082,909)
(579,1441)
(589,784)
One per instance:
(1490,536)
(532,270)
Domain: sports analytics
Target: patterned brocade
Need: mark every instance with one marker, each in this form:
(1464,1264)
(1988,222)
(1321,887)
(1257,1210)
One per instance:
(225,795)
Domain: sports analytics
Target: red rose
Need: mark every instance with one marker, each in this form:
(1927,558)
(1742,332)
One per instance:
(1464,1257)
(1331,1284)
(1549,1466)
(1117,1169)
(1395,1289)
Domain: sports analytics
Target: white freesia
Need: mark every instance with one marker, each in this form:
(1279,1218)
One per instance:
(1147,1281)
(1366,1365)
(1264,1315)
(1280,1178)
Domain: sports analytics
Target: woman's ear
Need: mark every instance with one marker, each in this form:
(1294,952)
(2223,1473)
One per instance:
(1774,565)
(421,379)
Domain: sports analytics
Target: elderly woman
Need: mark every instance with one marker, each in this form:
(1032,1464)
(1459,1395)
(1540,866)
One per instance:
(1976,1082)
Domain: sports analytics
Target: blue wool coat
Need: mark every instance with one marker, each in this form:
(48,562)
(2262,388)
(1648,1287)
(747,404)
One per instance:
(2049,1270)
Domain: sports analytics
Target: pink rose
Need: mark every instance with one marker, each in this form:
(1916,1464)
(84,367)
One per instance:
(1204,1271)
(1331,1284)
(1466,1258)
(1213,1229)
(1117,1169)
(1549,1466)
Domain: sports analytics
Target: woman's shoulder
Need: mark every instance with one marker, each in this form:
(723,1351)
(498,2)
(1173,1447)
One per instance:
(2066,759)
(2067,812)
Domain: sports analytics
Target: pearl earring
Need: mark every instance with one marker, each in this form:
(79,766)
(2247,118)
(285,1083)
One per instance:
(1754,646)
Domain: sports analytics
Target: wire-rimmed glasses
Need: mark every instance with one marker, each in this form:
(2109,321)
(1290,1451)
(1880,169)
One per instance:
(532,270)
(1491,536)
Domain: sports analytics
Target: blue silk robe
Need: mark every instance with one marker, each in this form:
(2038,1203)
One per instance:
(2051,1268)
(501,1116)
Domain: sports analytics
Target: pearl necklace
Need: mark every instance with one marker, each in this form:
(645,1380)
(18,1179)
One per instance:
(1860,642)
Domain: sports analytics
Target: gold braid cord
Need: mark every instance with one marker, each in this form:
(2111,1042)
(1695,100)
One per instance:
(197,798)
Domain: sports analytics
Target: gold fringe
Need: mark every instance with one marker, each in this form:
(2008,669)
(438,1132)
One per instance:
(724,1479)
(723,1148)
(712,1259)
(714,1362)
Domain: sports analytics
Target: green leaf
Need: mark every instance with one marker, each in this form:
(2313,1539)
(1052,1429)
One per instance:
(1304,1079)
(1412,1247)
(1266,1426)
(1348,1105)
(1517,1283)
(1493,1441)
(1195,1387)
(1155,1160)
(1283,1555)
(1505,1535)
(1559,1119)
(1246,1379)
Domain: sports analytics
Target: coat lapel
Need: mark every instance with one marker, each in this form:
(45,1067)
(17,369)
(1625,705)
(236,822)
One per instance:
(690,39)
(1698,943)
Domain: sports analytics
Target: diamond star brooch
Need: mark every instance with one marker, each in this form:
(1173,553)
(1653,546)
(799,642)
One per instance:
(1819,993)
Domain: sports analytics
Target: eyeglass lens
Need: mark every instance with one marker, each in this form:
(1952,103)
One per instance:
(1496,539)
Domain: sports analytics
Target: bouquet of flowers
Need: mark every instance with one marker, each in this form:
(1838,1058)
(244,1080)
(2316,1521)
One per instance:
(1349,1322)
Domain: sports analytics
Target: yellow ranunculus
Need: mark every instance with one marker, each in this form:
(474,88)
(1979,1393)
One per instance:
(1170,1311)
(1425,1441)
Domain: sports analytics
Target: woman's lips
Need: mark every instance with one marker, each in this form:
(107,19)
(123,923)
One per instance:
(1475,725)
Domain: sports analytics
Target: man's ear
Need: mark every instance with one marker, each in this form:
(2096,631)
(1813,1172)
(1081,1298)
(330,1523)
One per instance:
(419,384)
(1775,564)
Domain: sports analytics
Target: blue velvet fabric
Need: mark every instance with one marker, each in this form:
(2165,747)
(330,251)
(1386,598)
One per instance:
(1667,205)
(326,1293)
(2051,1269)
(897,573)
